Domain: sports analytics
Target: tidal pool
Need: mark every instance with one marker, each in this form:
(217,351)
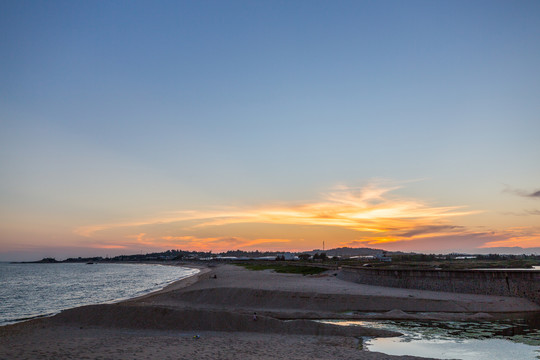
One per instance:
(486,340)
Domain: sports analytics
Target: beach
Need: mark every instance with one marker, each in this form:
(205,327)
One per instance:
(211,316)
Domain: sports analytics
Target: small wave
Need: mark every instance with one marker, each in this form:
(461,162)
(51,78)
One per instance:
(48,289)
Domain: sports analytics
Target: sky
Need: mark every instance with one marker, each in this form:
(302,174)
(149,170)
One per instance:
(139,126)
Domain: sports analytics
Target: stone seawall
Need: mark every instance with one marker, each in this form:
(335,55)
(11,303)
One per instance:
(519,283)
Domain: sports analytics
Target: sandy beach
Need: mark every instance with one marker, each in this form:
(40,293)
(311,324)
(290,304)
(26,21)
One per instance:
(210,316)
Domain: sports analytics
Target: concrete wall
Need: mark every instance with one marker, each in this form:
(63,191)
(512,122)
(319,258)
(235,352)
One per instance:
(520,283)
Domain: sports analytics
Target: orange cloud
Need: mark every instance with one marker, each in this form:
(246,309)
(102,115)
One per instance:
(106,246)
(364,210)
(203,243)
(372,215)
(368,210)
(520,236)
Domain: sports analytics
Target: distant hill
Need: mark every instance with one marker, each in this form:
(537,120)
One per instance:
(187,255)
(515,250)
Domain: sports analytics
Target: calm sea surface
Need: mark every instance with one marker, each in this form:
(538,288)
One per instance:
(32,290)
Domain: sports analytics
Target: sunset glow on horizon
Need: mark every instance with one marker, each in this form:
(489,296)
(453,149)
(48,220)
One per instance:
(370,216)
(366,212)
(142,127)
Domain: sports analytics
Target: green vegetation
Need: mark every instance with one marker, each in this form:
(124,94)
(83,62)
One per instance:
(289,269)
(427,262)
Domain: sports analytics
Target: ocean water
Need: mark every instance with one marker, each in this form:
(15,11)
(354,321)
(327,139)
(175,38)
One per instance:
(32,290)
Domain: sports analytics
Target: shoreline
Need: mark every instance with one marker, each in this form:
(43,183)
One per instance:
(217,304)
(149,291)
(174,285)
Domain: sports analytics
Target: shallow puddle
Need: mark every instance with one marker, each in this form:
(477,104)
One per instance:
(487,340)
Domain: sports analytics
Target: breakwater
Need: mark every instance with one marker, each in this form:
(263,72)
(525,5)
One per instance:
(518,283)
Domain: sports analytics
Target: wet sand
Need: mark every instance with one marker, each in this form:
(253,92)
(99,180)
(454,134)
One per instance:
(218,305)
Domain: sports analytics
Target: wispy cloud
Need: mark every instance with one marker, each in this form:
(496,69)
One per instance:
(374,211)
(108,246)
(517,236)
(523,193)
(164,218)
(469,241)
(202,243)
(429,230)
(433,242)
(373,215)
(524,213)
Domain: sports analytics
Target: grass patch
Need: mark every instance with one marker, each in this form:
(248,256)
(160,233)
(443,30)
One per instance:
(287,269)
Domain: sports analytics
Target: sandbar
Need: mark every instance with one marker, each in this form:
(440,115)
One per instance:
(210,316)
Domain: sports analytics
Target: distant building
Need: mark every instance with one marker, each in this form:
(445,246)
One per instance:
(266,258)
(383,257)
(288,256)
(363,257)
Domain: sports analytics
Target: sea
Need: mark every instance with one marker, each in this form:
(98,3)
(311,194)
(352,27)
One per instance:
(30,291)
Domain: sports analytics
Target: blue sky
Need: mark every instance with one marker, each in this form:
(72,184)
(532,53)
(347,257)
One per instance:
(117,112)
